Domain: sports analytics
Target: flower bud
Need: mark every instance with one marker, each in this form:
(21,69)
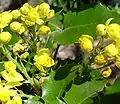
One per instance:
(44,9)
(44,30)
(24,55)
(22,30)
(101,30)
(25,8)
(100,59)
(113,31)
(5,37)
(29,23)
(9,66)
(86,43)
(18,48)
(15,26)
(117,61)
(50,14)
(107,72)
(5,19)
(111,50)
(40,22)
(16,14)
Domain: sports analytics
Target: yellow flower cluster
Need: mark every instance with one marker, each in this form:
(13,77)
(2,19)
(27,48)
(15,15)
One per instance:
(12,79)
(32,15)
(43,59)
(6,94)
(86,43)
(111,31)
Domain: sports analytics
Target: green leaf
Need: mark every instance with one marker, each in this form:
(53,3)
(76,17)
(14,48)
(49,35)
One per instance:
(34,100)
(79,93)
(55,84)
(115,88)
(97,14)
(84,22)
(72,34)
(55,22)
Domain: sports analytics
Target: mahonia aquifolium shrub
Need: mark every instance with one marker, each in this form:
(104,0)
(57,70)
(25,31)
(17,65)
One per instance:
(30,25)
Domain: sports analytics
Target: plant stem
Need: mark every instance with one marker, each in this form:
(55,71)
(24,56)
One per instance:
(20,67)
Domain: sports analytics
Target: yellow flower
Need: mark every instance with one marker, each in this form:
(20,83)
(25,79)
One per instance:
(17,27)
(113,31)
(100,59)
(4,94)
(24,55)
(25,8)
(22,30)
(101,30)
(107,72)
(118,45)
(44,30)
(5,37)
(117,62)
(29,23)
(18,48)
(12,76)
(43,59)
(40,22)
(51,14)
(5,19)
(43,51)
(111,50)
(86,43)
(43,9)
(9,66)
(16,14)
(39,66)
(32,16)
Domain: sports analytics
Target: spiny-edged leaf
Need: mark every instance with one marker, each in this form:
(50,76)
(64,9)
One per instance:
(79,93)
(115,88)
(84,22)
(98,14)
(72,34)
(55,84)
